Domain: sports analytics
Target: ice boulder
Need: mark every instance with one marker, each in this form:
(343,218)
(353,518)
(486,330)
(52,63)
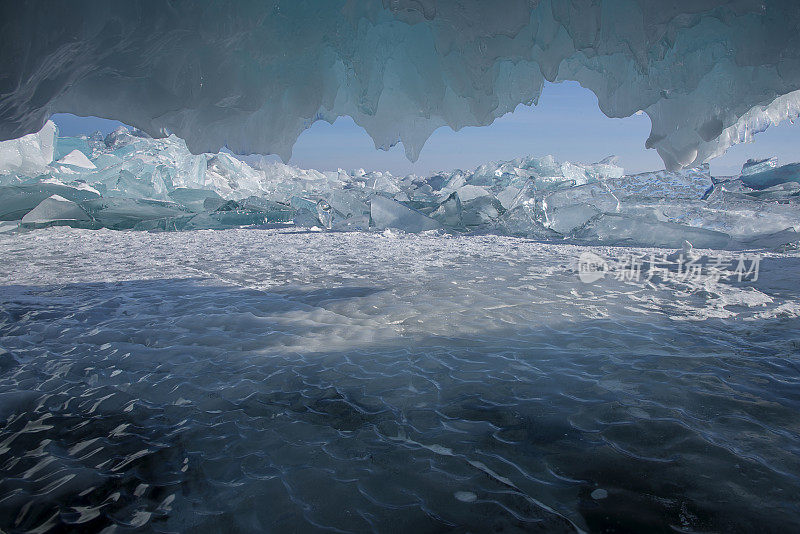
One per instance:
(449,213)
(123,136)
(325,214)
(784,191)
(219,220)
(525,220)
(274,212)
(387,213)
(55,209)
(471,192)
(772,176)
(347,203)
(566,209)
(381,181)
(29,154)
(738,215)
(230,176)
(755,166)
(304,218)
(354,223)
(481,211)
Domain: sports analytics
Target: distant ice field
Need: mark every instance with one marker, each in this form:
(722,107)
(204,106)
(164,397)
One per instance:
(278,380)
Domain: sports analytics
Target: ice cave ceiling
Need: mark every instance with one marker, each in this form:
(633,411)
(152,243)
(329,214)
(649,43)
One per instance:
(253,75)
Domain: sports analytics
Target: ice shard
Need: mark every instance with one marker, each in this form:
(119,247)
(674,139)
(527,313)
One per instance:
(251,75)
(76,158)
(55,210)
(29,154)
(771,177)
(387,213)
(17,200)
(129,180)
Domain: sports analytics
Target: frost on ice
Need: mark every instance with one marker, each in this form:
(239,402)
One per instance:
(252,75)
(127,180)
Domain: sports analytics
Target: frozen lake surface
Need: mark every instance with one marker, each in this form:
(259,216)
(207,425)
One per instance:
(277,380)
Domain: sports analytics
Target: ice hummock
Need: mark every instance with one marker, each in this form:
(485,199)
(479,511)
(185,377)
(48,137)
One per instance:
(127,180)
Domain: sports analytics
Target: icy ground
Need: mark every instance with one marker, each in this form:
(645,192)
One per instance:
(281,380)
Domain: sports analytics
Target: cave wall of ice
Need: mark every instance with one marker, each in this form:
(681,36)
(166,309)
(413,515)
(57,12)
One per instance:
(253,75)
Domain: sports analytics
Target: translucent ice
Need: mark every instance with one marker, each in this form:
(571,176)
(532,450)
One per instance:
(449,213)
(772,176)
(221,220)
(754,166)
(386,213)
(481,211)
(53,210)
(666,185)
(129,180)
(621,230)
(125,213)
(194,199)
(347,203)
(569,208)
(17,200)
(525,221)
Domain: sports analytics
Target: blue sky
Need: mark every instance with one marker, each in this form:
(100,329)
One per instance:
(567,124)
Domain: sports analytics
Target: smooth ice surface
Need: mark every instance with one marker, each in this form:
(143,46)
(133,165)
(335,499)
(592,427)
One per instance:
(251,75)
(127,180)
(275,380)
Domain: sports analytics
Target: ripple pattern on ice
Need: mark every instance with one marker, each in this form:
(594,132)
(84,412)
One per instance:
(274,381)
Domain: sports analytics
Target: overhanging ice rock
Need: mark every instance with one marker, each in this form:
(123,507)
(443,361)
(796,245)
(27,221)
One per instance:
(252,75)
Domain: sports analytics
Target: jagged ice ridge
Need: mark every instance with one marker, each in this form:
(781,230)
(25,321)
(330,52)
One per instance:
(127,180)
